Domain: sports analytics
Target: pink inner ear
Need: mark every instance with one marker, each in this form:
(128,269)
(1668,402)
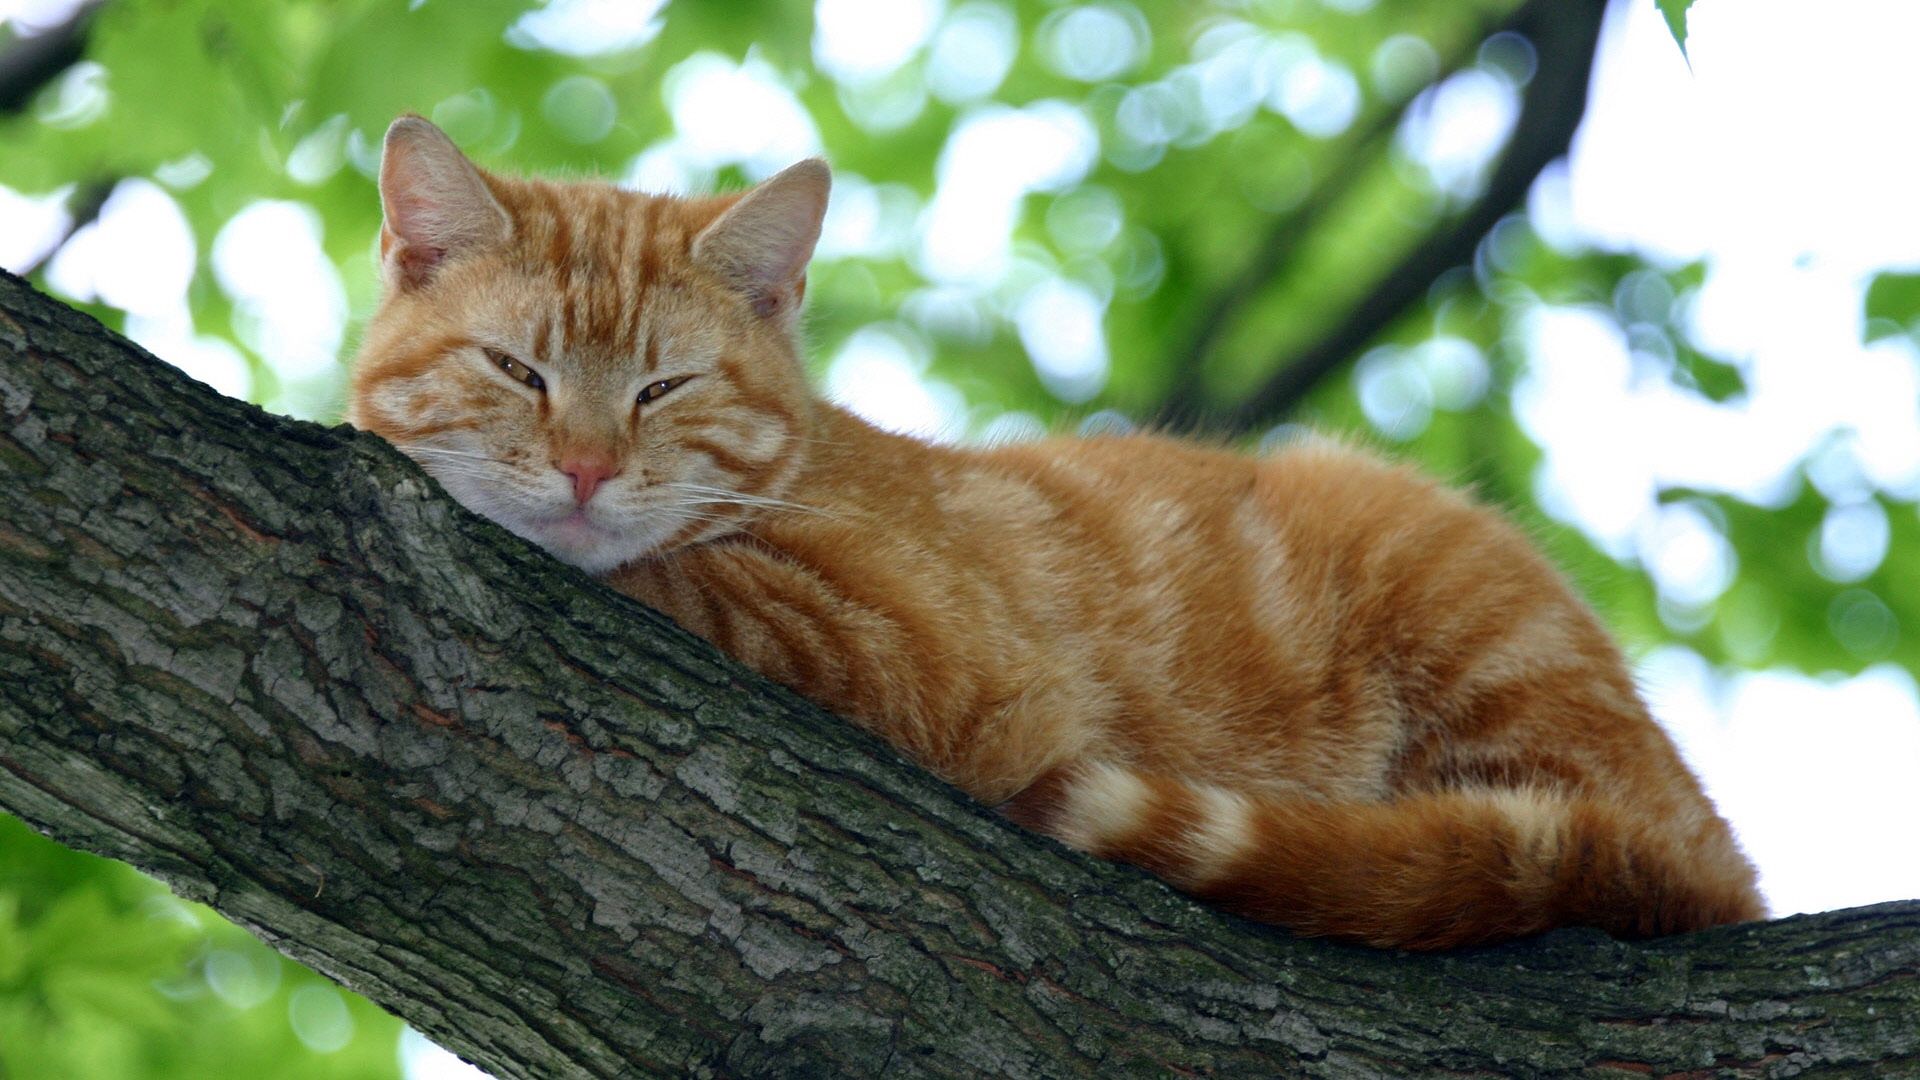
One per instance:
(416,262)
(771,300)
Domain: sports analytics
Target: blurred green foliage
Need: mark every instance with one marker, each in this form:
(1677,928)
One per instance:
(104,973)
(1255,171)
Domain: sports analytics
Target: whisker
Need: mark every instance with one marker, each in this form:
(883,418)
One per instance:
(740,498)
(746,504)
(444,452)
(461,468)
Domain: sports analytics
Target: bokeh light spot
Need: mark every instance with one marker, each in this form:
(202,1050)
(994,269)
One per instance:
(973,52)
(864,40)
(1095,42)
(580,108)
(320,1018)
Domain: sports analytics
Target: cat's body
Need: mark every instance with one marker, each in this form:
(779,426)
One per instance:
(1311,687)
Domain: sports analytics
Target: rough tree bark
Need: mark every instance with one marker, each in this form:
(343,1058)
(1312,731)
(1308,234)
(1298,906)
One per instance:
(272,664)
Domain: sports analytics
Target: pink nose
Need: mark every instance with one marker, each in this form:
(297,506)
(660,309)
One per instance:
(587,474)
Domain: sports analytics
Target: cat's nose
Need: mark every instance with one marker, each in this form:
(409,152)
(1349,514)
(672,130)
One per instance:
(587,473)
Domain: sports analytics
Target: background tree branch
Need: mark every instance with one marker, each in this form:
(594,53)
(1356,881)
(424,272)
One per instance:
(83,209)
(274,665)
(29,63)
(1566,36)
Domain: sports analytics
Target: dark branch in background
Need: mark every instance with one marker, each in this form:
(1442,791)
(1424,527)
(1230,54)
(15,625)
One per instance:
(83,209)
(1550,112)
(1565,34)
(1276,248)
(29,63)
(27,66)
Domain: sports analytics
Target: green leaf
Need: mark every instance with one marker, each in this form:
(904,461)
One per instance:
(1715,380)
(1892,298)
(1676,13)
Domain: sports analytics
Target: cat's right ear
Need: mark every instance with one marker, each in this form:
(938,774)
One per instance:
(763,241)
(437,204)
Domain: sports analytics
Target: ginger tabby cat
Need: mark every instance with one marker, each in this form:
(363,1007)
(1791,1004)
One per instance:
(1312,688)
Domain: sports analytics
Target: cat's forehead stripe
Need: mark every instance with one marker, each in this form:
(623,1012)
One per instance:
(603,250)
(543,339)
(650,244)
(560,243)
(569,327)
(598,297)
(630,330)
(618,218)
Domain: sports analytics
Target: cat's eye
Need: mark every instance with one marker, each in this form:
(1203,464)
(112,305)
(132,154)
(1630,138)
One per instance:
(516,369)
(659,389)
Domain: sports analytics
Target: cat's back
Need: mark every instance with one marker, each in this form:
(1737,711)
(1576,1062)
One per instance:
(1171,568)
(1323,506)
(1317,541)
(1319,555)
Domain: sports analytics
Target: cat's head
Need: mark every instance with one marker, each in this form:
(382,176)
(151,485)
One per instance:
(606,373)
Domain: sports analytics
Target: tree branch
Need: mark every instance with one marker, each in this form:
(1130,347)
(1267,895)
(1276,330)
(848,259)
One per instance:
(83,209)
(30,63)
(1274,250)
(273,664)
(1566,35)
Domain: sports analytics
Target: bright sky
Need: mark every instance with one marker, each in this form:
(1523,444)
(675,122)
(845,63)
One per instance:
(1784,158)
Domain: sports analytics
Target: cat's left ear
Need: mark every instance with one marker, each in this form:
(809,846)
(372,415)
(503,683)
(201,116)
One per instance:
(761,244)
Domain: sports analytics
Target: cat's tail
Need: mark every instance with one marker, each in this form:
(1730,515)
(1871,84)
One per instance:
(1428,870)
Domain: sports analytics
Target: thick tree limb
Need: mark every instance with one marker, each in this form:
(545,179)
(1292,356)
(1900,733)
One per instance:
(274,665)
(1565,34)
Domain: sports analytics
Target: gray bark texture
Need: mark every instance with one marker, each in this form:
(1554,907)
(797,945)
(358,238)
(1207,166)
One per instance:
(274,665)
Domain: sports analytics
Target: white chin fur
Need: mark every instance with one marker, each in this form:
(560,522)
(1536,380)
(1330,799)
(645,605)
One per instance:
(594,558)
(595,547)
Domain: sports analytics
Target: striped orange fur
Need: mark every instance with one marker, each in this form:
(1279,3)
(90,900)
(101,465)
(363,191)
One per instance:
(1312,687)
